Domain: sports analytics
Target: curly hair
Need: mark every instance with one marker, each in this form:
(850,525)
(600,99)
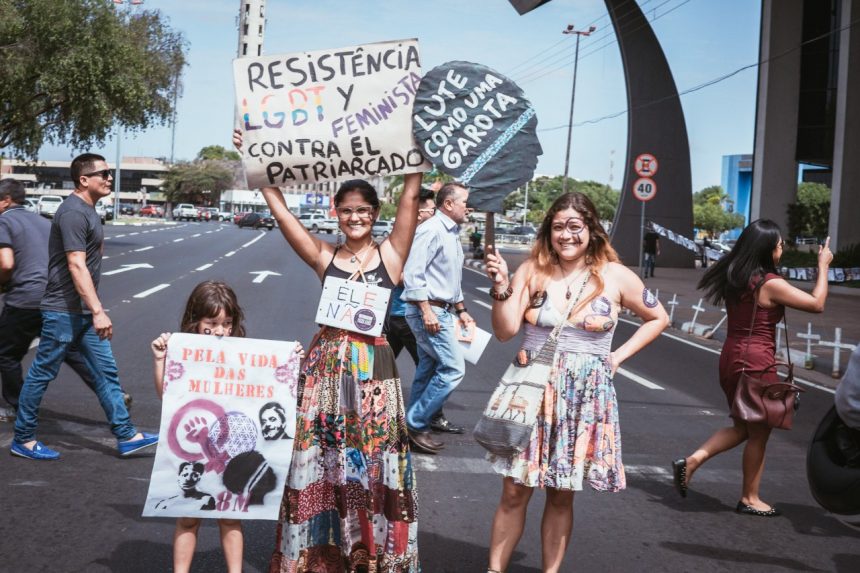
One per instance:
(207,300)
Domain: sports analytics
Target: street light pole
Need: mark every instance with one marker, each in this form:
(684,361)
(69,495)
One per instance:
(579,33)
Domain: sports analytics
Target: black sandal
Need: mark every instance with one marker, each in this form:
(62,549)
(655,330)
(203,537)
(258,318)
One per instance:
(745,509)
(679,474)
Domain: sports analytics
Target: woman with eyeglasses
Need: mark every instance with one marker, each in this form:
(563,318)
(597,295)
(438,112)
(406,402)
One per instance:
(746,274)
(349,502)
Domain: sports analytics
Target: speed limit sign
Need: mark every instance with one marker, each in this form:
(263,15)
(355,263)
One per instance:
(644,189)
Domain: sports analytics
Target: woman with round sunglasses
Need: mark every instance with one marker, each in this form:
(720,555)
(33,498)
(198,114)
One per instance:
(576,438)
(350,501)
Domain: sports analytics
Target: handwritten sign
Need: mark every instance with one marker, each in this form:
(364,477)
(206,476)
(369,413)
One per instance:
(228,420)
(331,114)
(476,125)
(353,305)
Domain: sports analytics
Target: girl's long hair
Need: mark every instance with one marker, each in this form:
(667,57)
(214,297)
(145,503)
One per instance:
(730,277)
(207,300)
(597,253)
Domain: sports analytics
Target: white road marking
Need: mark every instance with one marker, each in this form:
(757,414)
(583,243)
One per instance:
(179,240)
(230,254)
(485,290)
(203,267)
(482,303)
(638,379)
(146,293)
(133,234)
(717,352)
(261,275)
(251,242)
(105,257)
(196,235)
(118,236)
(125,268)
(143,249)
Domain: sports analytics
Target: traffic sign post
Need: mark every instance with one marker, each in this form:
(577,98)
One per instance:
(644,189)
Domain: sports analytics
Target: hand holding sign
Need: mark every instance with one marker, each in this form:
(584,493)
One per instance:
(476,125)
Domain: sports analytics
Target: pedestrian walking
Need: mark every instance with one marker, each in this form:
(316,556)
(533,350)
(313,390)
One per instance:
(651,250)
(433,276)
(576,438)
(350,502)
(23,275)
(73,316)
(399,334)
(212,309)
(756,297)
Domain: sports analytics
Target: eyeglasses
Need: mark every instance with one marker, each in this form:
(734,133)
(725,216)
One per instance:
(574,226)
(428,211)
(104,173)
(363,212)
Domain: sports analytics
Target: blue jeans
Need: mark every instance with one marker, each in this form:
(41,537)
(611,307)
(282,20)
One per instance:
(440,369)
(60,330)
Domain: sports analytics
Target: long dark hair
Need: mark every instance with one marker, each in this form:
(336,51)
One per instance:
(367,191)
(730,277)
(207,300)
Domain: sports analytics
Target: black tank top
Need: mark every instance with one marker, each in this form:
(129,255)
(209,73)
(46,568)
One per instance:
(377,276)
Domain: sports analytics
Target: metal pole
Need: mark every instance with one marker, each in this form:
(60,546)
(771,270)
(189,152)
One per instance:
(642,240)
(173,119)
(117,173)
(570,119)
(526,204)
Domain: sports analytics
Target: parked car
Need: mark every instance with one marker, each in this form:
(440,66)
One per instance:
(30,205)
(151,211)
(238,216)
(47,205)
(101,210)
(207,213)
(185,211)
(525,230)
(316,222)
(257,220)
(381,229)
(126,209)
(225,215)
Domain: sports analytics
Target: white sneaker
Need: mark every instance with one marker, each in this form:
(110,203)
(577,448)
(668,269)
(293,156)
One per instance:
(7,415)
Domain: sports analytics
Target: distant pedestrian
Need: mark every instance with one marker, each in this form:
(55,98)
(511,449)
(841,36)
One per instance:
(706,246)
(651,250)
(433,276)
(740,278)
(576,438)
(24,274)
(73,316)
(399,334)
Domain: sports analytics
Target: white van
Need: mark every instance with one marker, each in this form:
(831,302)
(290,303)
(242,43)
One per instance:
(47,205)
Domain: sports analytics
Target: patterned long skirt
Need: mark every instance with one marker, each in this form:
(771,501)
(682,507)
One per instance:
(350,503)
(576,437)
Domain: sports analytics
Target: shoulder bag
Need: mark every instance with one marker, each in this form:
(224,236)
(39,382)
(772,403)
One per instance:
(505,428)
(760,401)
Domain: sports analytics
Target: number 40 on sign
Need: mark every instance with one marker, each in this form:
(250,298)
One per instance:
(644,189)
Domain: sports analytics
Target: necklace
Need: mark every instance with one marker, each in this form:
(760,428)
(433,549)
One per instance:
(571,281)
(357,256)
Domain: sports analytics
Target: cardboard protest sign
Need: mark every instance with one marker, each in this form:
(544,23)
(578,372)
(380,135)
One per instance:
(356,306)
(228,420)
(319,116)
(476,125)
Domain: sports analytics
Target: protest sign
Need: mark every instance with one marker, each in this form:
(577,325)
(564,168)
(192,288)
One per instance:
(228,421)
(473,341)
(476,125)
(319,116)
(356,306)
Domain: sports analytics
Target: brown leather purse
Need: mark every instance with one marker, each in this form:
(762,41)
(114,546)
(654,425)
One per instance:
(759,401)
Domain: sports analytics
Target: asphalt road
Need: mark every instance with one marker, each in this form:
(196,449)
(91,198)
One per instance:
(83,512)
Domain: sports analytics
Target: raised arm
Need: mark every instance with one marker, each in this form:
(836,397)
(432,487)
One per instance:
(780,291)
(508,314)
(407,216)
(316,253)
(644,304)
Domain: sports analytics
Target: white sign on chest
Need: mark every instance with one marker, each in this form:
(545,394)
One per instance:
(352,305)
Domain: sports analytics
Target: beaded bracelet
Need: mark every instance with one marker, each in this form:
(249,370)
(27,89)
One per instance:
(502,295)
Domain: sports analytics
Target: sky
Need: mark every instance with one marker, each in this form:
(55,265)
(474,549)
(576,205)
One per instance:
(702,40)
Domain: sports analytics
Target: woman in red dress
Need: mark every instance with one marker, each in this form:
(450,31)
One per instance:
(746,273)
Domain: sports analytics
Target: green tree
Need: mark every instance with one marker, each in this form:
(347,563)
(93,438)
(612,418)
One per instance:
(713,219)
(809,215)
(201,182)
(219,153)
(72,69)
(713,195)
(544,190)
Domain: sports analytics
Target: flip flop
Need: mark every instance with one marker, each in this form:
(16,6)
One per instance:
(679,474)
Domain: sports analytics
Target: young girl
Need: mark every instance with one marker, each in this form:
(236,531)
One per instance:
(212,308)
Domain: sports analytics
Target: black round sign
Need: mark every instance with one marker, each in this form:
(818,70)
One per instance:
(476,125)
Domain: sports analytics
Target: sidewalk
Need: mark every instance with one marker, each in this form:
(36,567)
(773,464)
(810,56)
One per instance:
(842,310)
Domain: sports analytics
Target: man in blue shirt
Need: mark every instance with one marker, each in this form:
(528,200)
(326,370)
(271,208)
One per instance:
(432,277)
(73,316)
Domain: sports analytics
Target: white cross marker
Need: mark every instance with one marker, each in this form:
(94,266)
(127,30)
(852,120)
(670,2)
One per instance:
(779,328)
(837,346)
(673,303)
(698,308)
(808,362)
(711,332)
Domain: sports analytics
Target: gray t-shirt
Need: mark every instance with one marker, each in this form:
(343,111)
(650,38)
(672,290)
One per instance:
(76,228)
(27,235)
(848,392)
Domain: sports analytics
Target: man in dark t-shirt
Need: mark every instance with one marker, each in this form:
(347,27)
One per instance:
(73,316)
(23,274)
(651,248)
